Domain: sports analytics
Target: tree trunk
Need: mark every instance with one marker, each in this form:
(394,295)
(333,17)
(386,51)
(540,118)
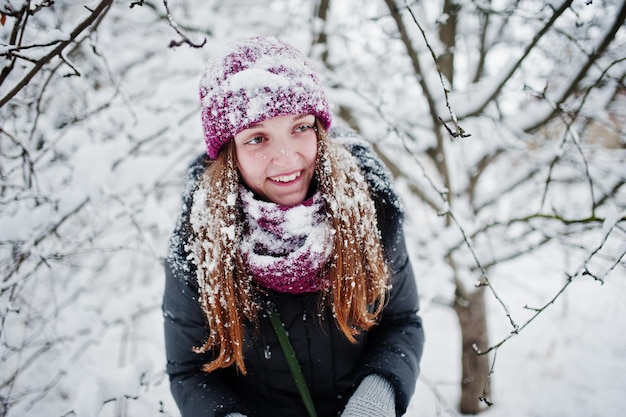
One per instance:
(322,37)
(470,309)
(447,36)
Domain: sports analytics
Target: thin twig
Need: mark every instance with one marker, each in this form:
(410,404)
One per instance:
(183,38)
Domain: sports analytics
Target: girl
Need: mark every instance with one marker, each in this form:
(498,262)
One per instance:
(289,240)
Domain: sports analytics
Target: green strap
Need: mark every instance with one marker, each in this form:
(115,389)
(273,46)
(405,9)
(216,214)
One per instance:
(292,361)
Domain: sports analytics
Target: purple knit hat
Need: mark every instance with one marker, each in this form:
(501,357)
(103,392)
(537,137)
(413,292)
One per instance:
(253,80)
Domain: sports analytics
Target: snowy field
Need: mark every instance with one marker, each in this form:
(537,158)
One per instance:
(571,361)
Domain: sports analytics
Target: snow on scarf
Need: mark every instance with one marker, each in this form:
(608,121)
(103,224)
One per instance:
(285,248)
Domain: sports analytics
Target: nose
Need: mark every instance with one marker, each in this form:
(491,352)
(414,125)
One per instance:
(284,152)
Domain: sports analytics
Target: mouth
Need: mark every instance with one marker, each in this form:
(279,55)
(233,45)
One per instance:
(286,178)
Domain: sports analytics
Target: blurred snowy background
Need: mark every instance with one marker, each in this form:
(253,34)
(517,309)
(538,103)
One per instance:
(509,151)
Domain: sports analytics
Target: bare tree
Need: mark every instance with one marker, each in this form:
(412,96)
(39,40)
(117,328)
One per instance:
(510,150)
(61,247)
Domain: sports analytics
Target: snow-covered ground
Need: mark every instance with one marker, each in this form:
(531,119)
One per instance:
(570,361)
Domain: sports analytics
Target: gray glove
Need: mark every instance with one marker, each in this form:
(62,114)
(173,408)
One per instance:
(375,397)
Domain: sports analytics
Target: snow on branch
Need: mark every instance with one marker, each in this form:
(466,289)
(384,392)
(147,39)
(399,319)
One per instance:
(60,43)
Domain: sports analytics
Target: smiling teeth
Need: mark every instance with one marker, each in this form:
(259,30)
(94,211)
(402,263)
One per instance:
(286,178)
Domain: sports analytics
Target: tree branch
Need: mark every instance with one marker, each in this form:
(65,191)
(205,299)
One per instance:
(440,158)
(101,9)
(497,88)
(184,39)
(582,71)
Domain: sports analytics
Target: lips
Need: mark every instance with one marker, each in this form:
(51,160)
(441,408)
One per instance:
(286,178)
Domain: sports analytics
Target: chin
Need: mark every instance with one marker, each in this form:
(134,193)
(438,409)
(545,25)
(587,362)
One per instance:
(291,200)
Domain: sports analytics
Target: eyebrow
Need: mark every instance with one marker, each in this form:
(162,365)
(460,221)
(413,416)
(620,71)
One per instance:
(295,118)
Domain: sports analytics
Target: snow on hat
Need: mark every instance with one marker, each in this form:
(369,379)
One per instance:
(253,80)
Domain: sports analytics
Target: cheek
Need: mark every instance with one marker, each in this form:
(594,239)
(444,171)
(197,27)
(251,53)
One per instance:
(251,160)
(311,152)
(251,166)
(259,157)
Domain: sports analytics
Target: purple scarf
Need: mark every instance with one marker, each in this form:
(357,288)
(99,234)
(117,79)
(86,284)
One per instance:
(285,248)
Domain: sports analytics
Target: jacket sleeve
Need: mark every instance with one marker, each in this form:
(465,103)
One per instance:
(197,393)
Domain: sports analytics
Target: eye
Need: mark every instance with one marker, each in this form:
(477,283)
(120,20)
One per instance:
(254,140)
(304,128)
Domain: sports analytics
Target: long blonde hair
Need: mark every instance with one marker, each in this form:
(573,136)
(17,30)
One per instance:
(357,269)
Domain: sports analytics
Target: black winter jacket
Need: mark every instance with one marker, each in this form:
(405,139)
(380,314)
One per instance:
(332,366)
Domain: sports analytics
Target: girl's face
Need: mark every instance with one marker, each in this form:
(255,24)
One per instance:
(276,157)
